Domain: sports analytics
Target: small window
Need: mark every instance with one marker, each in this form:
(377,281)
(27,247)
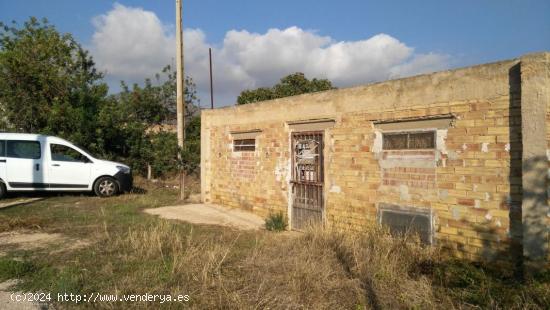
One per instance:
(64,153)
(244,145)
(2,148)
(24,149)
(409,140)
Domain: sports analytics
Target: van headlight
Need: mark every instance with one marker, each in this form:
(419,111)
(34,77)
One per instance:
(123,169)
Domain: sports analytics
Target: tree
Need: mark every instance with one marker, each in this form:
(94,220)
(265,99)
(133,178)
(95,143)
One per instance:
(168,90)
(255,95)
(290,85)
(128,125)
(48,82)
(49,85)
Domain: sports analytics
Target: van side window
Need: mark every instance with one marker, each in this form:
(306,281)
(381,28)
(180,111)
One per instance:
(2,148)
(24,149)
(64,153)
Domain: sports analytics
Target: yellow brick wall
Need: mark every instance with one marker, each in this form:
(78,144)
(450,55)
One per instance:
(472,189)
(472,194)
(254,181)
(470,200)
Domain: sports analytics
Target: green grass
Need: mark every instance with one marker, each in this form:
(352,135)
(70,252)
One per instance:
(130,252)
(10,268)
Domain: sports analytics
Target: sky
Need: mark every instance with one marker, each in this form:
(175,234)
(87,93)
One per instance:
(255,43)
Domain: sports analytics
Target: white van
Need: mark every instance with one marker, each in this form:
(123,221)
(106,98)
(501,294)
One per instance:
(30,162)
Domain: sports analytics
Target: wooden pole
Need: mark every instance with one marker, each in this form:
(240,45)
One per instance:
(180,102)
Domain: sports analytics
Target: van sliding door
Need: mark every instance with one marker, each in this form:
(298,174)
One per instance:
(24,168)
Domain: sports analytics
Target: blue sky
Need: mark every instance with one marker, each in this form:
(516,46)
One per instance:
(257,42)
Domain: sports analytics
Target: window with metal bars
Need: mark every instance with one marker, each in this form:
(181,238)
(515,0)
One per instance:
(409,140)
(245,145)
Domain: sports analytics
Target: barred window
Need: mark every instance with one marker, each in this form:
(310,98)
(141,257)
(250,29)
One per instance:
(409,140)
(244,145)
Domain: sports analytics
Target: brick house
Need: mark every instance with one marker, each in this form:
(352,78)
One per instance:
(459,156)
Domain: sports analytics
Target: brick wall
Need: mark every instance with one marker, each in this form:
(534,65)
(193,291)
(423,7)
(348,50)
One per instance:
(255,180)
(470,187)
(471,182)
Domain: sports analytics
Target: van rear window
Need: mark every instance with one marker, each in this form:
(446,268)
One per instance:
(2,148)
(24,149)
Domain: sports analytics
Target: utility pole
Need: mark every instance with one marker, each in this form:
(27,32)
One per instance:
(180,102)
(211,83)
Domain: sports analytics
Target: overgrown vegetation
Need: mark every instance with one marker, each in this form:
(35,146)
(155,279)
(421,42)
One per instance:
(49,85)
(130,252)
(276,222)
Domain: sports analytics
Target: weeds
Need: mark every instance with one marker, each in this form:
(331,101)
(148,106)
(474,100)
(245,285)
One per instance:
(276,222)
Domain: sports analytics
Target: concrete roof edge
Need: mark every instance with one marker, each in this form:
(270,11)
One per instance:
(455,70)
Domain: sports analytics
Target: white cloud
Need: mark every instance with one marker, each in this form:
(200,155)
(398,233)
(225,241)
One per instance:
(421,63)
(132,44)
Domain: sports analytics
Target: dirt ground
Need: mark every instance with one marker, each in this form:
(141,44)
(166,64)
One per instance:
(6,302)
(210,214)
(29,240)
(16,202)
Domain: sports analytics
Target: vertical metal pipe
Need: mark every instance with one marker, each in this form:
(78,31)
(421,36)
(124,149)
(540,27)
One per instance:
(211,83)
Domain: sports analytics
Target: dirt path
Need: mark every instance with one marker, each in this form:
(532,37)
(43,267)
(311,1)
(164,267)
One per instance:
(17,202)
(210,214)
(6,296)
(31,240)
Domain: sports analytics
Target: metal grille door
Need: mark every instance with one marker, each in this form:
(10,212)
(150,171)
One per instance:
(307,179)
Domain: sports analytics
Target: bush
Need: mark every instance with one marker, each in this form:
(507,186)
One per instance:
(276,222)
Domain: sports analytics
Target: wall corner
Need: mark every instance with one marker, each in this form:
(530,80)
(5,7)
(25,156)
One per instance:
(535,98)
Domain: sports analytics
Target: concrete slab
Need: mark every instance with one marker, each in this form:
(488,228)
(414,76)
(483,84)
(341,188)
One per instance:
(210,214)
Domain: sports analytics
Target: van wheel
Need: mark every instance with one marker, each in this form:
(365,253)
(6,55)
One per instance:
(3,190)
(106,187)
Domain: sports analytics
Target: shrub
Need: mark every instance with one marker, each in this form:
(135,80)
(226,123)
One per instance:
(276,222)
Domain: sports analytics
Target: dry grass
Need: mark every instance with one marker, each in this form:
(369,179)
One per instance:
(220,268)
(319,269)
(12,223)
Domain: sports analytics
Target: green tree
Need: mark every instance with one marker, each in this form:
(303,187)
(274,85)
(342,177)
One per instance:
(49,85)
(290,85)
(48,82)
(129,125)
(255,95)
